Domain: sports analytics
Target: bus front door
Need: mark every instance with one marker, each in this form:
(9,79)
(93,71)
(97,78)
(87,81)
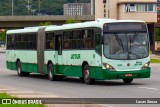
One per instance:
(58,54)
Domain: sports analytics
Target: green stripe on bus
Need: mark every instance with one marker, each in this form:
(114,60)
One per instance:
(76,71)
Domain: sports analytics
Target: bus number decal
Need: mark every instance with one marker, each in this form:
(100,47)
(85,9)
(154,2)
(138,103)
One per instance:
(75,56)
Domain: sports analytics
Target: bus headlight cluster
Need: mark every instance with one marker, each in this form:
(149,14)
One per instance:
(109,67)
(146,65)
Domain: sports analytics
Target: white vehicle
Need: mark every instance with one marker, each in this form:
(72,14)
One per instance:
(97,50)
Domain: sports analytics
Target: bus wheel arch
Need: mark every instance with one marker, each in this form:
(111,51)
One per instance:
(49,62)
(83,65)
(50,69)
(18,60)
(19,69)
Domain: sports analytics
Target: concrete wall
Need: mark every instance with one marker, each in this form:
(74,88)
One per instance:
(117,10)
(86,8)
(148,17)
(27,21)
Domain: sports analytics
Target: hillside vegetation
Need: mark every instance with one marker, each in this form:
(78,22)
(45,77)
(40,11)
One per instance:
(48,7)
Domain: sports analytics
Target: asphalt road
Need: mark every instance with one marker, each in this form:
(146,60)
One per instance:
(74,88)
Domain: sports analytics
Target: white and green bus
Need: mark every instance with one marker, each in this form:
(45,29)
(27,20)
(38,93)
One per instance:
(97,50)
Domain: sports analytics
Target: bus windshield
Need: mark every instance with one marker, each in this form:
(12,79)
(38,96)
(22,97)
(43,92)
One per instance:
(126,45)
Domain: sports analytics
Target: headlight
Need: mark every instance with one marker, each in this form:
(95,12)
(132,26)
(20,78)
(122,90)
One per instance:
(109,67)
(146,65)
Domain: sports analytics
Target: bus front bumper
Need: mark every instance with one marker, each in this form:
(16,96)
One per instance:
(126,74)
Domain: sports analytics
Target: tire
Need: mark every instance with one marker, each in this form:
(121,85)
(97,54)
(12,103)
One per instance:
(81,78)
(86,75)
(19,70)
(127,81)
(51,75)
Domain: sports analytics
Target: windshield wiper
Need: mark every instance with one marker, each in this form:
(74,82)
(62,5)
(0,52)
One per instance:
(134,37)
(119,41)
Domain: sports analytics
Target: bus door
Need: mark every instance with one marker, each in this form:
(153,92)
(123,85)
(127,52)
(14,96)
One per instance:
(58,54)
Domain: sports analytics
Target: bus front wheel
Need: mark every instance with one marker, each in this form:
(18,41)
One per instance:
(86,75)
(51,75)
(19,70)
(127,81)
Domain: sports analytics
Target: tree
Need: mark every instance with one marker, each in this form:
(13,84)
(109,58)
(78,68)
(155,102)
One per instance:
(71,20)
(45,24)
(3,35)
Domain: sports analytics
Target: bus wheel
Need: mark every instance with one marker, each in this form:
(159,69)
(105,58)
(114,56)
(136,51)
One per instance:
(86,75)
(19,70)
(127,81)
(51,72)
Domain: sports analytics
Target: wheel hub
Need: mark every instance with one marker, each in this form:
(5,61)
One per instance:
(86,74)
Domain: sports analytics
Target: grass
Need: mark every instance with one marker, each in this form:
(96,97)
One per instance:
(4,95)
(155,60)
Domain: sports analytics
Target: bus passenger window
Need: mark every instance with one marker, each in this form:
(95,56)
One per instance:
(66,45)
(87,44)
(88,38)
(51,44)
(50,41)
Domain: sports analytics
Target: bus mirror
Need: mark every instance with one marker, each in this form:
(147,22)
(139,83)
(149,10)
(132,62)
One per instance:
(102,40)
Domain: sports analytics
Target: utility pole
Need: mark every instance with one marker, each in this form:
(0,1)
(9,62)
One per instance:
(28,6)
(39,7)
(12,8)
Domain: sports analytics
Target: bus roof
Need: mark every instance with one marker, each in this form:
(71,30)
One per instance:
(25,30)
(98,23)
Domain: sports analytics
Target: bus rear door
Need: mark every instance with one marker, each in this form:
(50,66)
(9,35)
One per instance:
(58,54)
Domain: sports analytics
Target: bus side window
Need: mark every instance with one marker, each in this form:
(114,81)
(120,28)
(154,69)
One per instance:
(98,46)
(13,42)
(50,41)
(88,38)
(9,42)
(66,39)
(76,39)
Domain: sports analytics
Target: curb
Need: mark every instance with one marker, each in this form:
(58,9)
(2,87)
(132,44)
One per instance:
(31,94)
(2,52)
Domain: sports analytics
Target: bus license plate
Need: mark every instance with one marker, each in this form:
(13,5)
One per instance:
(128,75)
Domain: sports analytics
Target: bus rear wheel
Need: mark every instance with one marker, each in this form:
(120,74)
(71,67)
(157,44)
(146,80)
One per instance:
(51,75)
(19,70)
(86,75)
(127,81)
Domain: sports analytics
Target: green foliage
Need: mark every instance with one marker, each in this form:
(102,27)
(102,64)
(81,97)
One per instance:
(5,95)
(3,35)
(71,20)
(45,24)
(48,7)
(155,61)
(157,34)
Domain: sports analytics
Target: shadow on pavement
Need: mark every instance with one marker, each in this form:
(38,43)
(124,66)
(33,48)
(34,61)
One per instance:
(78,81)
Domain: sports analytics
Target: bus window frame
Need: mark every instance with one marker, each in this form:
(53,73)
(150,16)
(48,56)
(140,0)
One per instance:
(98,31)
(13,42)
(45,48)
(70,40)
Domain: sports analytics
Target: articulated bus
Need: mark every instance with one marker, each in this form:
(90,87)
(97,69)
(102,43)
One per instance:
(96,50)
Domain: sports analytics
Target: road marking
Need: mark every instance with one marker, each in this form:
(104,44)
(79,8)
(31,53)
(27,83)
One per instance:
(105,105)
(149,88)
